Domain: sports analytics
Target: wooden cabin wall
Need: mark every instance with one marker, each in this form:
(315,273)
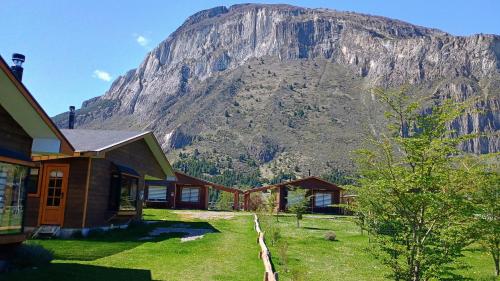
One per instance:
(135,155)
(12,135)
(98,212)
(73,213)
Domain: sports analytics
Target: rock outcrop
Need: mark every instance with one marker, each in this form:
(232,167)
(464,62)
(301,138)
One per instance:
(278,81)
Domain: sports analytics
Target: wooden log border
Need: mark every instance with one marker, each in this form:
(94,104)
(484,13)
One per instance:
(265,254)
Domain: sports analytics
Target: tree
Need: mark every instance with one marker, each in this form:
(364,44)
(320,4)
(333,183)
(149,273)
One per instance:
(413,192)
(272,204)
(487,206)
(225,201)
(298,202)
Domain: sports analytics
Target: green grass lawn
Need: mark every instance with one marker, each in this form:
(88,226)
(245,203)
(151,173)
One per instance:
(229,253)
(311,257)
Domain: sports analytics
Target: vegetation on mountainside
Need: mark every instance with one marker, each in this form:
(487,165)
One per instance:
(222,171)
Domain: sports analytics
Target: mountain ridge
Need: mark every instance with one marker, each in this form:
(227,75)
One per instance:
(257,76)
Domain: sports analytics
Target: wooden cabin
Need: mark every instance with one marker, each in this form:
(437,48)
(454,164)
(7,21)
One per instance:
(25,130)
(324,195)
(101,185)
(186,193)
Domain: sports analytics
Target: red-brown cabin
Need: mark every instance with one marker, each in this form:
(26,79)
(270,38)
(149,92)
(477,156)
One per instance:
(324,195)
(187,192)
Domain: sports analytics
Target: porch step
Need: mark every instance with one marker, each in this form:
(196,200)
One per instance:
(46,231)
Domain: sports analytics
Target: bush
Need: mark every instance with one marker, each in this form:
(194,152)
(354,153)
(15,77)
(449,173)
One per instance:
(331,236)
(283,255)
(274,234)
(256,202)
(31,255)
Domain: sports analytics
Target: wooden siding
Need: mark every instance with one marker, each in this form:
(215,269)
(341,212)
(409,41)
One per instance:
(12,135)
(98,213)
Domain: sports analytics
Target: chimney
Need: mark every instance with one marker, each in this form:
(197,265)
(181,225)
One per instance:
(17,68)
(71,121)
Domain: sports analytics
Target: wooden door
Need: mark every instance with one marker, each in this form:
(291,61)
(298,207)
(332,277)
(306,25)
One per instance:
(55,185)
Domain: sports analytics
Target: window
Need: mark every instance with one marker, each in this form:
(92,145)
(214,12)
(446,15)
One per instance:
(12,191)
(128,193)
(32,182)
(190,194)
(123,193)
(54,188)
(293,199)
(157,193)
(323,200)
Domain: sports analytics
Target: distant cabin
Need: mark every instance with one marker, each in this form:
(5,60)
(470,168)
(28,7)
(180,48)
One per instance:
(25,131)
(101,185)
(324,196)
(187,192)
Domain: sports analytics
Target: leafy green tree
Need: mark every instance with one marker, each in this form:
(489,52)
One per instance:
(298,202)
(413,192)
(225,201)
(487,205)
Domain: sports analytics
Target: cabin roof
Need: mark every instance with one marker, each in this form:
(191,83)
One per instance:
(27,112)
(308,182)
(85,140)
(183,179)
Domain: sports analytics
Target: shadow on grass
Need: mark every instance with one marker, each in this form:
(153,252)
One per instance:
(316,228)
(78,272)
(106,243)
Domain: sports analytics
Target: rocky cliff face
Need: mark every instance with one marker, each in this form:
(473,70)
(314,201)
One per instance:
(289,86)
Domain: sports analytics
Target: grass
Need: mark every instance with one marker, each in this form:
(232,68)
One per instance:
(311,257)
(229,253)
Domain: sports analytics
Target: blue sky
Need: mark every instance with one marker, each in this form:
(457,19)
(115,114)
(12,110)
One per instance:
(74,50)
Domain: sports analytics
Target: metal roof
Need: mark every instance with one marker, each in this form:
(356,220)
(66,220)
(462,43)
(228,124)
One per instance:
(98,140)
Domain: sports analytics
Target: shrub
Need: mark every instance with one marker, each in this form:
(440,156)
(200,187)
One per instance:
(225,201)
(331,236)
(256,202)
(274,234)
(31,255)
(283,255)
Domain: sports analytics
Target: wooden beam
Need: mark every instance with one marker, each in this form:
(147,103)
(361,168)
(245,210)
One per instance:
(18,161)
(87,187)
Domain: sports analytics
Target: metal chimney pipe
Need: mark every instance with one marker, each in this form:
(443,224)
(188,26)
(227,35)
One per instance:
(17,68)
(71,120)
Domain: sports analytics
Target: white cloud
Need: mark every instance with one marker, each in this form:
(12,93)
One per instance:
(102,75)
(143,41)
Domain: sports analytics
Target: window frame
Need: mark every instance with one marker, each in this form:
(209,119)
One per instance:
(24,199)
(191,188)
(136,197)
(115,203)
(165,199)
(38,183)
(322,194)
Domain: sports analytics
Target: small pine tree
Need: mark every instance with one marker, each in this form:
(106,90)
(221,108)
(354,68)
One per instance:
(298,202)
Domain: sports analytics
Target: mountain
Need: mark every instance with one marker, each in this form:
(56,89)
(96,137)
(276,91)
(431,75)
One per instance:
(284,88)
